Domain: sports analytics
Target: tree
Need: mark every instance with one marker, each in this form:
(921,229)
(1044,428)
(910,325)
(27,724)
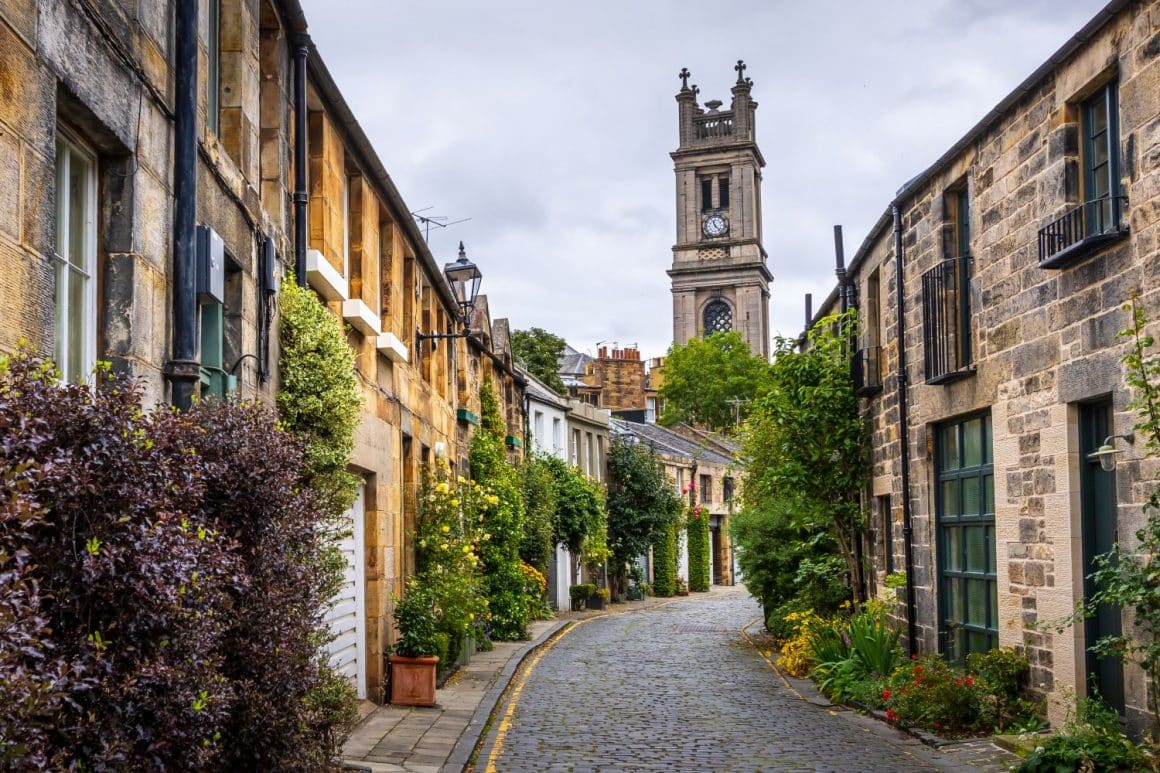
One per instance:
(712,381)
(540,351)
(579,509)
(539,489)
(806,443)
(641,504)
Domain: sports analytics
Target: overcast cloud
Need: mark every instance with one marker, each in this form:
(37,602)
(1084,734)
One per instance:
(549,124)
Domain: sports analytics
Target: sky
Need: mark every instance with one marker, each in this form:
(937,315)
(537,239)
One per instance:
(549,124)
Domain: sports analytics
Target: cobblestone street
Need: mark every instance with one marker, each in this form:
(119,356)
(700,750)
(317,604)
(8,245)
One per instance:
(679,688)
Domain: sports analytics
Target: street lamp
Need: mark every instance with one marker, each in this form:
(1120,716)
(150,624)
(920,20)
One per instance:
(1107,452)
(464,278)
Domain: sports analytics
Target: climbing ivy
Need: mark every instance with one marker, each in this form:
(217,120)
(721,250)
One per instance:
(665,562)
(697,529)
(319,398)
(504,583)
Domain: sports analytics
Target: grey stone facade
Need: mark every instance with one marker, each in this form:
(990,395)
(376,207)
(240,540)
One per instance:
(1030,340)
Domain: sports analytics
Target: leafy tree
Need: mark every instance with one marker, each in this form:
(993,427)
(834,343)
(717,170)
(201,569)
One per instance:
(540,351)
(539,488)
(641,504)
(579,509)
(503,522)
(805,441)
(712,381)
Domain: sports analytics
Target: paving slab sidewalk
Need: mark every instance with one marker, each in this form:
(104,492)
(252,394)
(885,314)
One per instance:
(425,740)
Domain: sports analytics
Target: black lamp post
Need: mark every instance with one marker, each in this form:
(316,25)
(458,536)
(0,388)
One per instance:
(464,278)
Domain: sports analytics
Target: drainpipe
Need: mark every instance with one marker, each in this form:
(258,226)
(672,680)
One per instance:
(845,296)
(301,51)
(904,439)
(183,370)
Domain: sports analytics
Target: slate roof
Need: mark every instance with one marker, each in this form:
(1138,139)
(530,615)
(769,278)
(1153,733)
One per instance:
(668,442)
(574,362)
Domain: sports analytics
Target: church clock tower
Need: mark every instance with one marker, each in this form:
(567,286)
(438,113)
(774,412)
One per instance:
(720,280)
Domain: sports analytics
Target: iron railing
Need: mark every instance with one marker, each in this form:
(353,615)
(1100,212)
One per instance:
(946,320)
(1081,230)
(866,369)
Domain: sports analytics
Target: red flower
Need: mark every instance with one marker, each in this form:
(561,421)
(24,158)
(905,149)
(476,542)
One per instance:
(936,725)
(891,715)
(970,681)
(918,669)
(886,695)
(959,682)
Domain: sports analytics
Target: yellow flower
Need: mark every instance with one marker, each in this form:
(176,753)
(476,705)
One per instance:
(443,546)
(455,502)
(422,543)
(446,528)
(492,499)
(461,480)
(442,487)
(470,615)
(467,548)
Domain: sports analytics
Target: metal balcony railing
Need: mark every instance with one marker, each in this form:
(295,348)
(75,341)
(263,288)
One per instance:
(946,320)
(1081,231)
(865,367)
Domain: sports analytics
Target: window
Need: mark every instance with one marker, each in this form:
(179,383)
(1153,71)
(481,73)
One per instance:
(965,506)
(958,222)
(589,455)
(557,439)
(213,84)
(600,457)
(717,318)
(538,423)
(727,489)
(75,344)
(706,194)
(946,320)
(650,410)
(722,192)
(681,480)
(706,489)
(1099,218)
(886,519)
(216,338)
(867,368)
(575,448)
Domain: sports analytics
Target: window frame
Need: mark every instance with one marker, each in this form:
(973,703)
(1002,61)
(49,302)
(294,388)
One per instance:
(213,84)
(1107,97)
(68,145)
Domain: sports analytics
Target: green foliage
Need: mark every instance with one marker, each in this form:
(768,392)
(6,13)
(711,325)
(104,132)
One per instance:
(503,581)
(579,512)
(641,504)
(790,564)
(931,695)
(895,580)
(581,592)
(540,351)
(537,547)
(1091,740)
(1005,674)
(874,641)
(448,539)
(319,398)
(415,616)
(704,375)
(1126,578)
(162,585)
(665,562)
(697,532)
(805,443)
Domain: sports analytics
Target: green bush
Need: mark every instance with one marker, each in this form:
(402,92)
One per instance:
(665,562)
(1005,673)
(415,617)
(581,592)
(700,560)
(929,694)
(874,641)
(1091,740)
(538,546)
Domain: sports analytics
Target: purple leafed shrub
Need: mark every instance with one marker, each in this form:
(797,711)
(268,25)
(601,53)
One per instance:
(161,585)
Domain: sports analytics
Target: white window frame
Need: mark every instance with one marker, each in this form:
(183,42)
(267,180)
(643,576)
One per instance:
(64,265)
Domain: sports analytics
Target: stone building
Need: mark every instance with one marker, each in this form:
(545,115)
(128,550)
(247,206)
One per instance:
(720,280)
(1019,248)
(112,174)
(690,456)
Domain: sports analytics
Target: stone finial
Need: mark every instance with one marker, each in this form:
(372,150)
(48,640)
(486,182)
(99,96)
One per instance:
(684,76)
(740,67)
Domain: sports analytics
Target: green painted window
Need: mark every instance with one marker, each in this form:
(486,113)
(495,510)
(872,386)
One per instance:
(1101,174)
(215,380)
(965,502)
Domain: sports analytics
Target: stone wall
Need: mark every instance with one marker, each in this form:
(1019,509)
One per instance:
(1043,342)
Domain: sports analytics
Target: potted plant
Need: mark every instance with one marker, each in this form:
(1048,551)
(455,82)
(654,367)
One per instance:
(598,598)
(414,659)
(580,595)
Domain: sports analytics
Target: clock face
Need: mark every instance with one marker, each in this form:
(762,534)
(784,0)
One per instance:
(715,225)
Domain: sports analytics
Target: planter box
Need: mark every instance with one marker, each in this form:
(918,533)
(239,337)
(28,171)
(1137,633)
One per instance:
(413,680)
(596,602)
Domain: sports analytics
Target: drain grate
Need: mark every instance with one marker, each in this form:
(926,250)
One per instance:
(700,628)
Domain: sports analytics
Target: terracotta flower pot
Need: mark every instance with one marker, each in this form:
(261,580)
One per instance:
(413,680)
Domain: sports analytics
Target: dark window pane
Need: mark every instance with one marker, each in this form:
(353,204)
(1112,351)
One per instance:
(950,501)
(976,549)
(977,601)
(973,443)
(953,552)
(989,494)
(706,194)
(723,191)
(950,449)
(971,499)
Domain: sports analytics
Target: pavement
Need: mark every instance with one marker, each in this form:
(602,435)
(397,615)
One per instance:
(659,684)
(389,739)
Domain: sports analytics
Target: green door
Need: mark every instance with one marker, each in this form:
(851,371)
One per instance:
(1098,514)
(965,502)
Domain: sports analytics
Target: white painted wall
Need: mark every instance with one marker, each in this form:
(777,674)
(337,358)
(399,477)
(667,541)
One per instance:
(549,430)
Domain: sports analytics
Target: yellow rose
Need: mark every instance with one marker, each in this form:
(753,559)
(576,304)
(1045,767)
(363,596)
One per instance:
(446,528)
(442,487)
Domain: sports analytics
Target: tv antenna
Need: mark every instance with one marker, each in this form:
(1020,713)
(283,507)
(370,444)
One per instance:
(439,221)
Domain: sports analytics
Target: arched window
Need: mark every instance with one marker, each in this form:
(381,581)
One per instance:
(717,318)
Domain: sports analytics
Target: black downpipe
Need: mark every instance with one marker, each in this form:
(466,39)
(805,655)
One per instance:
(845,301)
(904,439)
(301,51)
(183,368)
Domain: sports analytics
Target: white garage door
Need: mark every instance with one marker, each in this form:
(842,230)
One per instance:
(347,615)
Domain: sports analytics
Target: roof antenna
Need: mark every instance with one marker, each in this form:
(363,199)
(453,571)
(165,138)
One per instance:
(440,221)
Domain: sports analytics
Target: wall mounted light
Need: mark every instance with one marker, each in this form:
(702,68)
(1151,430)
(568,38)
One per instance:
(464,278)
(1106,454)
